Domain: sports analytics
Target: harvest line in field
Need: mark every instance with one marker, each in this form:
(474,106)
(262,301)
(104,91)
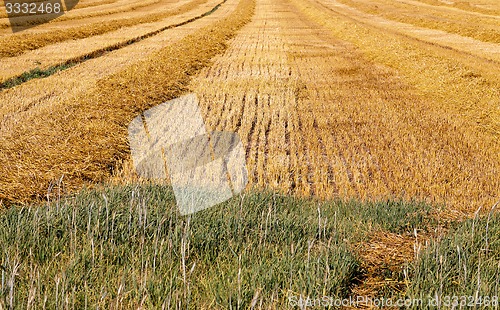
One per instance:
(42,73)
(484,51)
(94,123)
(15,45)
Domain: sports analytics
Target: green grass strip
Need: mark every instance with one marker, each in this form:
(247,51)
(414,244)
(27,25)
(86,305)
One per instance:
(36,73)
(464,264)
(128,246)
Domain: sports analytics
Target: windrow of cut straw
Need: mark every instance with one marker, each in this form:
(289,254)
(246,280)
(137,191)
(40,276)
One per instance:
(482,27)
(17,44)
(84,139)
(17,69)
(481,6)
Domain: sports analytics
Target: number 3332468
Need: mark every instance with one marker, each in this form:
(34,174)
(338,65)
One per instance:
(32,8)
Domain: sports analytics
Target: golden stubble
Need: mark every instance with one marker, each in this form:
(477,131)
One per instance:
(320,118)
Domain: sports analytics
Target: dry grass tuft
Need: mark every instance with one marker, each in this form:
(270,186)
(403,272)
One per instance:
(383,258)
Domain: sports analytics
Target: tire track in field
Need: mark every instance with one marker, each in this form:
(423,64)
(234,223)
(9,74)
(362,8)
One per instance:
(254,155)
(329,183)
(309,186)
(253,120)
(260,139)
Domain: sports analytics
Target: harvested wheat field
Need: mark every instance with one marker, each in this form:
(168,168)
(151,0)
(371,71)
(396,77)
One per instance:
(360,101)
(323,116)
